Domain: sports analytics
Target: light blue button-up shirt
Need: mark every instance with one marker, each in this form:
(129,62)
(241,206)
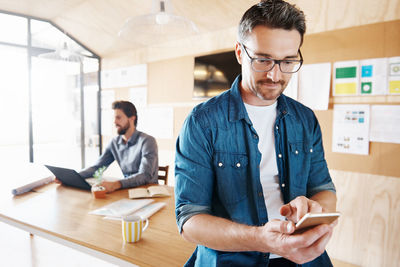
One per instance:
(137,158)
(217,168)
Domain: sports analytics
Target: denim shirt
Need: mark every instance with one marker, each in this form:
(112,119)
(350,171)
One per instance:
(217,168)
(137,158)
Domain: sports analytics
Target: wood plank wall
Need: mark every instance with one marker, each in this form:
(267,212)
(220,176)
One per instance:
(368,231)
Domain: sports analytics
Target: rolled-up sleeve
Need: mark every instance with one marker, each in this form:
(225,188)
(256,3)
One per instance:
(194,175)
(320,179)
(105,160)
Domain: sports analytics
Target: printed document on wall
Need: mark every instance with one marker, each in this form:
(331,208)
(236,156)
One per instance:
(351,129)
(373,80)
(385,123)
(314,85)
(394,75)
(138,96)
(345,78)
(156,121)
(292,87)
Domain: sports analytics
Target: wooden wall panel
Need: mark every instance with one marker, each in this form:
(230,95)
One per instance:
(368,230)
(368,41)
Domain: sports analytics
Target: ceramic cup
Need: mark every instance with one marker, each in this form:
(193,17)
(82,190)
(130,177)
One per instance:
(132,228)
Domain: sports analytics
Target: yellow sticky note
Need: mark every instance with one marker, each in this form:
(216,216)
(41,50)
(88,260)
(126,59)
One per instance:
(394,87)
(345,89)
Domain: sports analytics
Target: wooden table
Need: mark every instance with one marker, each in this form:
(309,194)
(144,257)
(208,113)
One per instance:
(60,213)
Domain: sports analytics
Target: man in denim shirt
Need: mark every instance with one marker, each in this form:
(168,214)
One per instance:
(250,162)
(135,151)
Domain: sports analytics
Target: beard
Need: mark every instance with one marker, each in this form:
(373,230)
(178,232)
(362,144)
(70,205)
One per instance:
(122,130)
(269,93)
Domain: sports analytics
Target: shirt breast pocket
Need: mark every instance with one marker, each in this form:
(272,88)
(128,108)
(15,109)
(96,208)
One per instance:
(299,163)
(231,176)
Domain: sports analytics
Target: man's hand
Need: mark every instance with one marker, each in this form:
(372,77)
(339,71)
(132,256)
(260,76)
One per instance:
(298,207)
(111,186)
(299,248)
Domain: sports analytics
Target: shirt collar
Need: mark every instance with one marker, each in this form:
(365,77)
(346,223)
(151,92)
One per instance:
(132,140)
(237,110)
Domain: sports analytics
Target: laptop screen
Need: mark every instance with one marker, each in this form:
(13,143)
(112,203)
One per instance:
(69,177)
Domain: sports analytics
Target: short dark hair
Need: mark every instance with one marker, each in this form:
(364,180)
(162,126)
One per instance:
(276,14)
(127,107)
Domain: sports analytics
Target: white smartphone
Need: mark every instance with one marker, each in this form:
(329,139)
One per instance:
(314,219)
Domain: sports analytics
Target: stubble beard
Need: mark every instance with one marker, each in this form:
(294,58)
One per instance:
(269,94)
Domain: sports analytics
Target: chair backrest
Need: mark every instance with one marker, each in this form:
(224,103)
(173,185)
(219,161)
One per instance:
(163,174)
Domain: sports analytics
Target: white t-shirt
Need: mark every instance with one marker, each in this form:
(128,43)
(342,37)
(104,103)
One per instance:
(263,119)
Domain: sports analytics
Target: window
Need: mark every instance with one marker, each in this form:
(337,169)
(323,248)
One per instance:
(59,101)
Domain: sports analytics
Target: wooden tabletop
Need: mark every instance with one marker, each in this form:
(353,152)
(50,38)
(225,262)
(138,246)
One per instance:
(62,212)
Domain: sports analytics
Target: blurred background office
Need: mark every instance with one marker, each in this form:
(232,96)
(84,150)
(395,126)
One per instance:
(63,62)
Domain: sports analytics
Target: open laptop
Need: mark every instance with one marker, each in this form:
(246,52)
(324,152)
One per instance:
(69,177)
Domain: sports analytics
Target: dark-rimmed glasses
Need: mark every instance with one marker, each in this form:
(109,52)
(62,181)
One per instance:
(261,64)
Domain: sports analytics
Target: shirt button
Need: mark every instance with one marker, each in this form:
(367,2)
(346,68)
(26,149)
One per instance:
(311,150)
(277,127)
(220,164)
(238,164)
(260,194)
(279,155)
(283,185)
(297,152)
(255,136)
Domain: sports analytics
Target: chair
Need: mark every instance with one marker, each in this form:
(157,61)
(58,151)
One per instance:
(164,175)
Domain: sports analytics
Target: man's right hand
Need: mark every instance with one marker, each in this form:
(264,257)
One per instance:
(277,237)
(57,181)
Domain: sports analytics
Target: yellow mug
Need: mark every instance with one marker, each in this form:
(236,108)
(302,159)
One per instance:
(132,228)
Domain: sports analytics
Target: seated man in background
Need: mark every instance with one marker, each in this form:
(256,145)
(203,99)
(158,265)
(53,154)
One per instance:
(135,151)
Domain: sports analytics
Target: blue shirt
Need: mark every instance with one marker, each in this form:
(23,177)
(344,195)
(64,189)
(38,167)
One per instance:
(137,158)
(217,168)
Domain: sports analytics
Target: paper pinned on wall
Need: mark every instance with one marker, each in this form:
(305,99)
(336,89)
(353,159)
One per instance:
(156,121)
(394,75)
(138,96)
(373,78)
(291,89)
(351,129)
(345,78)
(314,85)
(107,114)
(385,124)
(123,77)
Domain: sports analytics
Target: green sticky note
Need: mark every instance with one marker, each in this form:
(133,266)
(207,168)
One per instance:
(347,72)
(366,87)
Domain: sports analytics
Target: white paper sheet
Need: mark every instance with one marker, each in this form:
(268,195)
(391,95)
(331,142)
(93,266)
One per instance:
(156,121)
(385,123)
(351,129)
(291,89)
(138,96)
(123,77)
(394,76)
(345,78)
(314,85)
(121,207)
(373,77)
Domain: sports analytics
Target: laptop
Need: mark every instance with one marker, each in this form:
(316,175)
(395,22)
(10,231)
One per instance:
(69,177)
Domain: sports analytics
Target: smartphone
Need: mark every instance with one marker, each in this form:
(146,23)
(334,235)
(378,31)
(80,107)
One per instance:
(313,219)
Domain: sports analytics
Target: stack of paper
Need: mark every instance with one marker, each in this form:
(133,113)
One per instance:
(124,207)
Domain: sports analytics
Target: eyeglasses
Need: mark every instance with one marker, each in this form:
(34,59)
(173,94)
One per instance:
(260,64)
